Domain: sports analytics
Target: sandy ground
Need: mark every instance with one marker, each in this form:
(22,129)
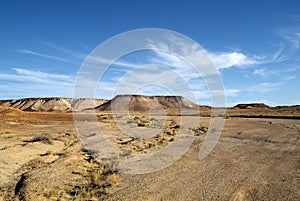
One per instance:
(253,160)
(42,158)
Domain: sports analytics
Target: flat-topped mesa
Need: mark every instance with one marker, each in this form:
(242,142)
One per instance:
(251,106)
(142,103)
(52,104)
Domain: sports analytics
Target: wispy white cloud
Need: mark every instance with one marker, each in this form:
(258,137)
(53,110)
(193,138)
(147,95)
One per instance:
(152,75)
(278,56)
(181,55)
(291,35)
(291,69)
(39,74)
(261,72)
(232,92)
(294,39)
(291,77)
(238,59)
(227,92)
(47,56)
(70,52)
(264,72)
(278,73)
(221,60)
(265,87)
(26,83)
(122,63)
(230,59)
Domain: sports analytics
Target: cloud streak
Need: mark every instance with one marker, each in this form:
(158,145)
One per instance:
(28,83)
(265,87)
(47,56)
(221,60)
(293,38)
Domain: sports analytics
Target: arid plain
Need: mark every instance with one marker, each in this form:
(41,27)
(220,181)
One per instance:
(256,158)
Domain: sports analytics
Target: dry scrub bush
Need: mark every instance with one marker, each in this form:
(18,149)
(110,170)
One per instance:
(44,137)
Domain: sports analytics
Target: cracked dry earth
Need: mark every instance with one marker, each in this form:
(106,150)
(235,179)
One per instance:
(41,158)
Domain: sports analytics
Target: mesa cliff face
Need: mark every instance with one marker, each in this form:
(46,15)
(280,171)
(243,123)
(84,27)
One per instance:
(134,103)
(119,103)
(251,106)
(146,103)
(52,104)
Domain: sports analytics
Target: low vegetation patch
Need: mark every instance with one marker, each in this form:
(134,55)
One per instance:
(44,137)
(98,181)
(199,130)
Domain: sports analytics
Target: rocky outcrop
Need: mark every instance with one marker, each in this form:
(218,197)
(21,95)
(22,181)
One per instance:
(140,103)
(5,110)
(52,104)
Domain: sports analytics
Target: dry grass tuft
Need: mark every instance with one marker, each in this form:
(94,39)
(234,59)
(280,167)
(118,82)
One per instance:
(44,137)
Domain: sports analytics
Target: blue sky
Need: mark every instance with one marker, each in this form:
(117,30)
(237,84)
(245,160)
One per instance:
(255,45)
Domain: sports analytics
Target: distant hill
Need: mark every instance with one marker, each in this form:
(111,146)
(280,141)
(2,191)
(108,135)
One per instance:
(251,106)
(4,110)
(138,103)
(145,103)
(121,103)
(52,104)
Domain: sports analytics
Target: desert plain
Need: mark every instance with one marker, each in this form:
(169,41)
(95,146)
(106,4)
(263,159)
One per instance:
(256,158)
